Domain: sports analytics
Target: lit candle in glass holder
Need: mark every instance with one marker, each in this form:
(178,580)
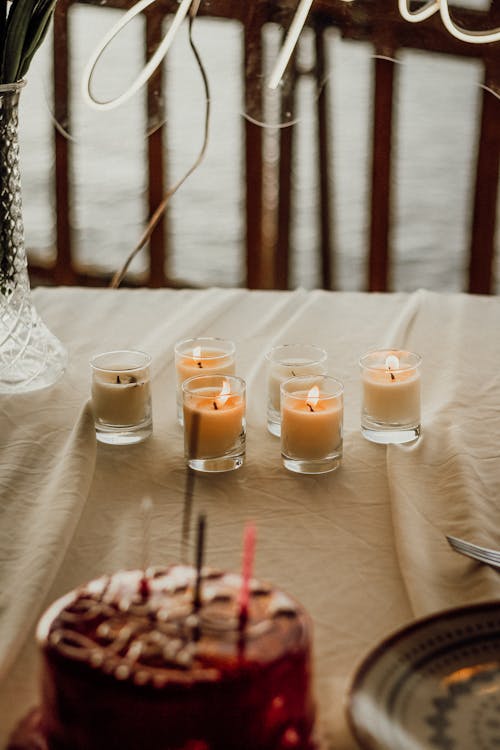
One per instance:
(391,396)
(202,356)
(312,424)
(214,422)
(287,361)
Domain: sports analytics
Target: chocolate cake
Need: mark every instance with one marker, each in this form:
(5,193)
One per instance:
(128,662)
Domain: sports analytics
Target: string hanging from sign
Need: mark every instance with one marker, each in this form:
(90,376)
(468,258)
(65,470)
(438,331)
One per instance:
(160,210)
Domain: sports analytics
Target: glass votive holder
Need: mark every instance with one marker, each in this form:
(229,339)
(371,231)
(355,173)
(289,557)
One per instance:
(312,415)
(202,356)
(121,396)
(287,361)
(390,411)
(214,422)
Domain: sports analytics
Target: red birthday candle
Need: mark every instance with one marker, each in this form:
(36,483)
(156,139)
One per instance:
(249,536)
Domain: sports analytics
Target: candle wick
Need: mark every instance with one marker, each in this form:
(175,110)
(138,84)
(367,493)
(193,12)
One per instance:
(118,379)
(292,373)
(215,405)
(310,407)
(147,514)
(393,377)
(200,364)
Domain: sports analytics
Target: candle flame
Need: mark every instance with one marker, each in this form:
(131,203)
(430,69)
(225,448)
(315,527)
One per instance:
(313,396)
(197,352)
(224,394)
(392,362)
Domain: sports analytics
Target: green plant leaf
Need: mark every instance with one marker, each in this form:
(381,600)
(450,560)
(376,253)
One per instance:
(36,33)
(17,26)
(3,23)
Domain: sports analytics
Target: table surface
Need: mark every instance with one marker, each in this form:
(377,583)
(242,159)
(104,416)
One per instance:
(362,548)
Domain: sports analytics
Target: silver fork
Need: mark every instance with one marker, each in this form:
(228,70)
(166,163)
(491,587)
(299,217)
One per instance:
(483,554)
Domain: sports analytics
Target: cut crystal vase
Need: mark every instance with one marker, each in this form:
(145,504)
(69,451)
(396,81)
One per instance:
(31,357)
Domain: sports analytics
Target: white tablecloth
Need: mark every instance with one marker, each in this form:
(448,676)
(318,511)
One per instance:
(363,548)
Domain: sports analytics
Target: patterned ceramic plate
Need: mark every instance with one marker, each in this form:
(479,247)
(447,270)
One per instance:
(435,685)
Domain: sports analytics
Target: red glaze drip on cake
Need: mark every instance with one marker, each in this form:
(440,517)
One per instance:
(128,664)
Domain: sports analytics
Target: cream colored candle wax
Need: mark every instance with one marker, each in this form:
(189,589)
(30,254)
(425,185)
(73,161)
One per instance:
(311,424)
(204,356)
(203,362)
(213,422)
(391,392)
(119,398)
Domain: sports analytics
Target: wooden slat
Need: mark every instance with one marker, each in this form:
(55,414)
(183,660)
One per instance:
(482,246)
(252,61)
(156,180)
(282,263)
(380,214)
(324,140)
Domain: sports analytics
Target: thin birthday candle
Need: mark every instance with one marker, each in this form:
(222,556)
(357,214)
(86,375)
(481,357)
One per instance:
(249,537)
(147,512)
(189,490)
(200,545)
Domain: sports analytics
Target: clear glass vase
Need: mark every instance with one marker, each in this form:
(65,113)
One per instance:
(31,357)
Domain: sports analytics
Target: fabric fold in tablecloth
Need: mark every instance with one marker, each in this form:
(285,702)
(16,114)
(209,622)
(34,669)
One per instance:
(447,482)
(43,493)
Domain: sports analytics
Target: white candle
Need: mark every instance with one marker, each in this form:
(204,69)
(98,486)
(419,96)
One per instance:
(311,423)
(391,389)
(120,398)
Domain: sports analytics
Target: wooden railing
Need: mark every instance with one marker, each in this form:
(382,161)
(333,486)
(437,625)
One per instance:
(267,253)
